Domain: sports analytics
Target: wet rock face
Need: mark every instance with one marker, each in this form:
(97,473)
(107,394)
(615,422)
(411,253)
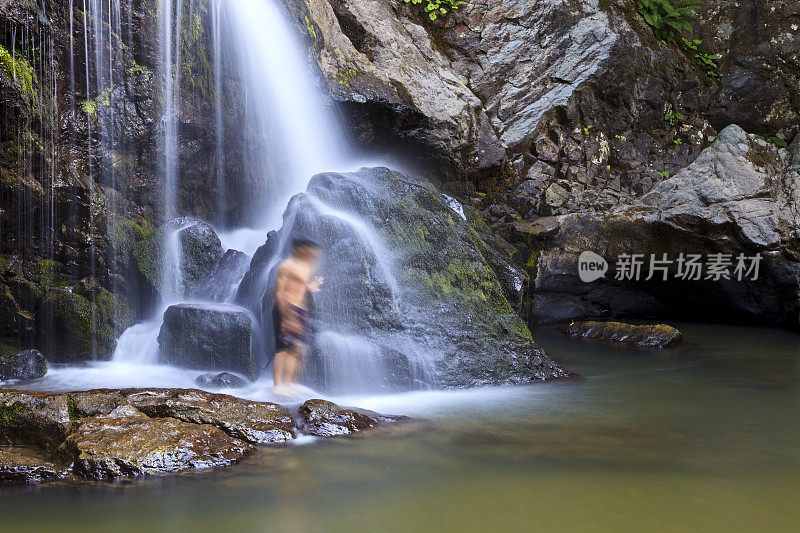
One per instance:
(208,336)
(739,197)
(326,419)
(30,364)
(113,433)
(629,335)
(408,276)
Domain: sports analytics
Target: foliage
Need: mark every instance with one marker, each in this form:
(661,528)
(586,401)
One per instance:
(709,64)
(674,117)
(775,141)
(434,8)
(668,18)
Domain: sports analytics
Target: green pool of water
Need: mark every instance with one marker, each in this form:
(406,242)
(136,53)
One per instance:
(702,437)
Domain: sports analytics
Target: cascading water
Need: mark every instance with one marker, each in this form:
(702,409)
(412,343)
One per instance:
(260,75)
(292,134)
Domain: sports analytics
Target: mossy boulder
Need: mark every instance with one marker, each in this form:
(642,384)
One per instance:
(88,319)
(406,274)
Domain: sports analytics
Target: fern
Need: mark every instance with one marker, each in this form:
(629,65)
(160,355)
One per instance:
(435,8)
(668,18)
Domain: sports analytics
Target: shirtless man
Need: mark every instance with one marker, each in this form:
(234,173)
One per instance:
(289,314)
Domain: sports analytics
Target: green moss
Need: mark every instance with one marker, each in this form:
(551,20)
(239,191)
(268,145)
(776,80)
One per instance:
(9,414)
(91,107)
(48,274)
(20,71)
(72,408)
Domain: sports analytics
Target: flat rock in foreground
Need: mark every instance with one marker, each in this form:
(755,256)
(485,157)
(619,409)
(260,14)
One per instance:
(627,335)
(116,433)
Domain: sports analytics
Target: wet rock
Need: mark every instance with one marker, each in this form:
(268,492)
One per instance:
(630,335)
(126,442)
(30,364)
(200,250)
(32,418)
(223,380)
(411,275)
(21,465)
(253,422)
(221,285)
(208,336)
(326,419)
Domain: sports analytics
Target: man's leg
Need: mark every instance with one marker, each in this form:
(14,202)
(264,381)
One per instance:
(290,367)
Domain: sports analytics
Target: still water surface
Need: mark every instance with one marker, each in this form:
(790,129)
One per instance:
(702,437)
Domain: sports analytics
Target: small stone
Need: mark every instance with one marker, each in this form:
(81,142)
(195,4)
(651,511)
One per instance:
(326,419)
(223,380)
(555,195)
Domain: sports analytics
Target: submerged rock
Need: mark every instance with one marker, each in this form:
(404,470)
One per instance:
(208,336)
(631,335)
(326,419)
(112,433)
(30,364)
(223,380)
(405,275)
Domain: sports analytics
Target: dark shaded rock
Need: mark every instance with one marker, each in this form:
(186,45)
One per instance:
(30,364)
(20,465)
(407,273)
(126,442)
(326,419)
(739,197)
(253,422)
(221,285)
(222,380)
(630,335)
(208,336)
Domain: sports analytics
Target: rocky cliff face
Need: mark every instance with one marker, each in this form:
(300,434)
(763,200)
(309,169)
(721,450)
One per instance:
(587,114)
(79,165)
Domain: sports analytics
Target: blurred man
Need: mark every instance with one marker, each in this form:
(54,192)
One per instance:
(292,322)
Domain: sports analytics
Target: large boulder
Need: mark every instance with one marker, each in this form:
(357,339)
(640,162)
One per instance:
(30,364)
(208,337)
(739,197)
(415,292)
